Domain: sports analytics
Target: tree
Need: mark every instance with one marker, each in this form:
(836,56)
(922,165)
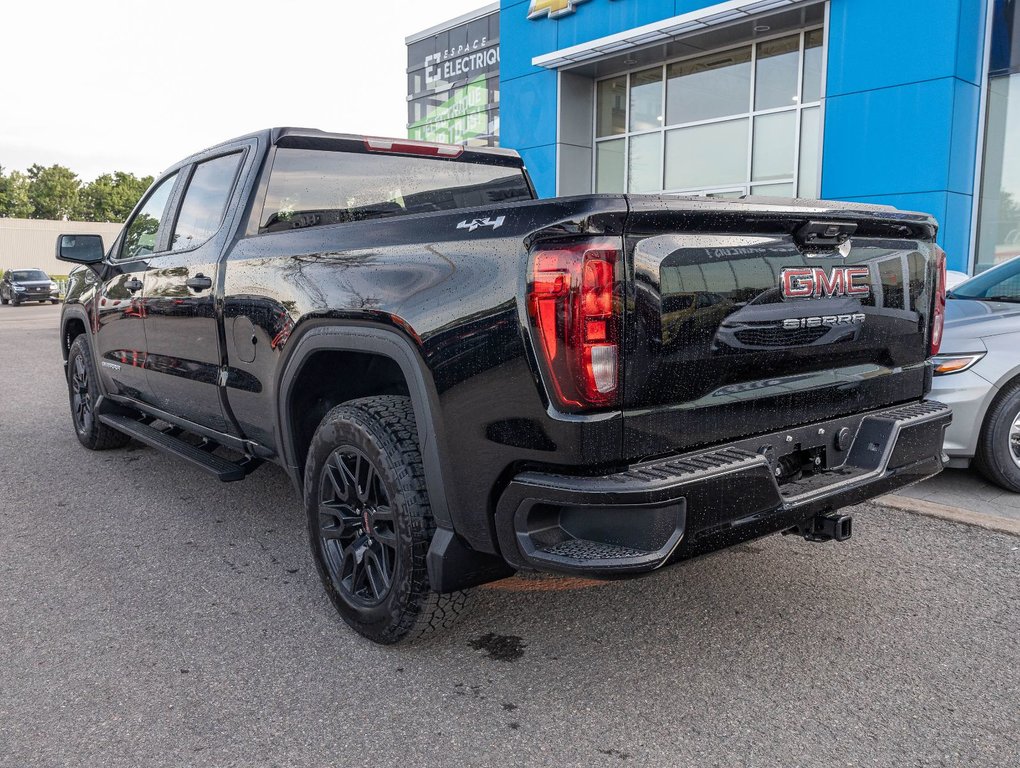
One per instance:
(14,199)
(53,192)
(111,197)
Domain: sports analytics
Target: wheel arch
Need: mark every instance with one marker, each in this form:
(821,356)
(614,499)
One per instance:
(396,353)
(73,323)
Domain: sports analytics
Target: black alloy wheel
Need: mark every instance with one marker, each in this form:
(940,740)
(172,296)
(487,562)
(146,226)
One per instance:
(370,522)
(83,393)
(356,527)
(81,398)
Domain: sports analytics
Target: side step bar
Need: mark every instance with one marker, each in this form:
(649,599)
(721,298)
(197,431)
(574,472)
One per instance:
(200,456)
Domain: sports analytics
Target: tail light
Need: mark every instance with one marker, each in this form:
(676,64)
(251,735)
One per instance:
(939,315)
(575,303)
(410,147)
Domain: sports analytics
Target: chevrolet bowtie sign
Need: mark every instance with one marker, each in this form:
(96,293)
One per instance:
(552,8)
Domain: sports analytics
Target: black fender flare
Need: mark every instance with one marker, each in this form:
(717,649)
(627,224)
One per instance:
(386,343)
(76,312)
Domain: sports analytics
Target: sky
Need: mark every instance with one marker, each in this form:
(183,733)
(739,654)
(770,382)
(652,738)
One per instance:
(103,86)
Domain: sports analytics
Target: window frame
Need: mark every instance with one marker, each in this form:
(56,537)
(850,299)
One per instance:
(748,184)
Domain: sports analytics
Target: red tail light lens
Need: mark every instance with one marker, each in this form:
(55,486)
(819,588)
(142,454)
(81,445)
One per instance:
(939,315)
(575,302)
(410,147)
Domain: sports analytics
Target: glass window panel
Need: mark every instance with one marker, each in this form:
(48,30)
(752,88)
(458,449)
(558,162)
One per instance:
(703,156)
(710,86)
(645,166)
(776,73)
(810,140)
(611,117)
(205,201)
(998,236)
(812,66)
(142,233)
(646,100)
(313,187)
(609,164)
(773,190)
(773,152)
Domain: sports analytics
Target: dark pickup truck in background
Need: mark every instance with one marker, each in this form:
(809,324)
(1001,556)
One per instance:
(464,381)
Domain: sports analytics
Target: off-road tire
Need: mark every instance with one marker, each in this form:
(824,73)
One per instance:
(91,433)
(382,430)
(993,458)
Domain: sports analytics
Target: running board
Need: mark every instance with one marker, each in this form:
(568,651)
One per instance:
(200,456)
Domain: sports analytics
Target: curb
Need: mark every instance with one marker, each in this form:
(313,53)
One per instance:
(953,514)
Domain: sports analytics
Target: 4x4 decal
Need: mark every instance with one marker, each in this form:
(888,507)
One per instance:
(472,224)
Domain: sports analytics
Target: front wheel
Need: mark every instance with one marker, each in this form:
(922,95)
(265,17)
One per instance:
(370,522)
(998,453)
(83,393)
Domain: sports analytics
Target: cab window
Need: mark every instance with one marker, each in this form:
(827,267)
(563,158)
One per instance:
(205,201)
(142,233)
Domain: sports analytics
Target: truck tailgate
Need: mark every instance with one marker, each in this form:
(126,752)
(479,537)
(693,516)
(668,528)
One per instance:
(744,318)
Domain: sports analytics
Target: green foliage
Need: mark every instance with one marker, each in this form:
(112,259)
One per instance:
(14,200)
(53,192)
(111,197)
(57,193)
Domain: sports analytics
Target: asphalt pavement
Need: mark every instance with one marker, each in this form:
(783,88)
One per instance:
(152,617)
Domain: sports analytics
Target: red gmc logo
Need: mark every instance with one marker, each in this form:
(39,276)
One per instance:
(818,282)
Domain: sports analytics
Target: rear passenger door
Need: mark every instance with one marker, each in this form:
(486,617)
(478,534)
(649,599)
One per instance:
(182,326)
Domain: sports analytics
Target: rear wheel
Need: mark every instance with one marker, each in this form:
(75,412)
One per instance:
(83,392)
(370,522)
(998,453)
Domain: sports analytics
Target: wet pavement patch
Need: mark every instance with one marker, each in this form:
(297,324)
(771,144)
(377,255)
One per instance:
(499,647)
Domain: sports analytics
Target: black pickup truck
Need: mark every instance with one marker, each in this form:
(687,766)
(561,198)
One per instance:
(463,381)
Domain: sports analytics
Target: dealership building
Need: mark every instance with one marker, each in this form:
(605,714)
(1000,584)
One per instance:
(910,103)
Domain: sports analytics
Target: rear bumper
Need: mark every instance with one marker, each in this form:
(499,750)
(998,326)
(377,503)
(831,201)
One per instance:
(660,512)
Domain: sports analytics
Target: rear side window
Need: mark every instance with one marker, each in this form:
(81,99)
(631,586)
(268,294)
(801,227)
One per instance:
(312,188)
(142,233)
(205,201)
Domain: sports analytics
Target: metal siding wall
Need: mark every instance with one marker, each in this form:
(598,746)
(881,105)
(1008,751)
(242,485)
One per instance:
(26,243)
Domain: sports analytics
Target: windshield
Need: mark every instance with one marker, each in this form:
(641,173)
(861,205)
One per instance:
(29,274)
(1000,283)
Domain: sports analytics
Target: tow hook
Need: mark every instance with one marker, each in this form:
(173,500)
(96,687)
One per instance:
(830,527)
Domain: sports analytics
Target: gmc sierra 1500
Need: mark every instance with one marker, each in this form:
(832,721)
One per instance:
(463,381)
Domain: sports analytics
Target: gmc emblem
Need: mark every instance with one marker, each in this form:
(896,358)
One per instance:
(817,282)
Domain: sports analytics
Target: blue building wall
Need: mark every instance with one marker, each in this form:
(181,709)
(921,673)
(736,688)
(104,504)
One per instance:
(902,98)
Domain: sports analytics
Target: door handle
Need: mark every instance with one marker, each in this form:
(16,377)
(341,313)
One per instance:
(199,282)
(134,284)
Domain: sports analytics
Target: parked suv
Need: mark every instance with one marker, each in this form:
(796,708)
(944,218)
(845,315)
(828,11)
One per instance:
(21,285)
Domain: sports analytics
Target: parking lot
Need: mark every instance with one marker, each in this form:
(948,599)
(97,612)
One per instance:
(150,616)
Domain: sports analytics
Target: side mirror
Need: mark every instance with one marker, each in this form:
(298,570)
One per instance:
(80,249)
